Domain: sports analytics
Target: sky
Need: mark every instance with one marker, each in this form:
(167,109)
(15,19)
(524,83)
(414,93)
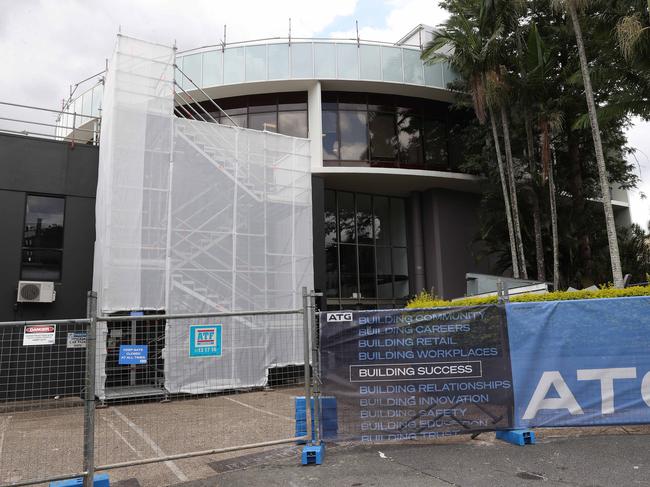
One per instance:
(47,45)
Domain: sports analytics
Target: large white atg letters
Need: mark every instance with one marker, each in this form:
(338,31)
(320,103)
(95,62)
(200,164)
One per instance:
(606,378)
(566,400)
(645,389)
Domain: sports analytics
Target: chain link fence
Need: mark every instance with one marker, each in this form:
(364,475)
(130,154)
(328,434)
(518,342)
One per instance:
(105,392)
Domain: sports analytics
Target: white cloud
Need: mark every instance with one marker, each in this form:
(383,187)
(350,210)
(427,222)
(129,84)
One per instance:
(47,45)
(405,15)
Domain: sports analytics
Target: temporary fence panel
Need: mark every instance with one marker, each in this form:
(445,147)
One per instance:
(581,363)
(411,373)
(42,369)
(198,217)
(138,430)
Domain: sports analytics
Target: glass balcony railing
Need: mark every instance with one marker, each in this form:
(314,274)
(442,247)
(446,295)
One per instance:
(284,60)
(320,59)
(78,111)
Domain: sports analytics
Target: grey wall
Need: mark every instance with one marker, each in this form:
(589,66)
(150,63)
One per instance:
(37,166)
(449,227)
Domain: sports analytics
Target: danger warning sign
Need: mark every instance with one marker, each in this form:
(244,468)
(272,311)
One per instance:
(39,335)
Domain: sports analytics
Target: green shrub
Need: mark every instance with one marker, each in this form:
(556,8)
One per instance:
(426,300)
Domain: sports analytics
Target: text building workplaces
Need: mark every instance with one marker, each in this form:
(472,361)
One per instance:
(416,345)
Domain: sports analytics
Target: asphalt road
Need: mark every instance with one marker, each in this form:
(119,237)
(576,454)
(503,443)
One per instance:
(585,458)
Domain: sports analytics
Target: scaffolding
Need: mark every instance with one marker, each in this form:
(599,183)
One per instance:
(193,216)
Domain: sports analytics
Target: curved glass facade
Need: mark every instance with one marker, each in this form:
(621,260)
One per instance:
(362,129)
(359,129)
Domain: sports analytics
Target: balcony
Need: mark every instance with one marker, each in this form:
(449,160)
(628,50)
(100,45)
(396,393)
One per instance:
(309,59)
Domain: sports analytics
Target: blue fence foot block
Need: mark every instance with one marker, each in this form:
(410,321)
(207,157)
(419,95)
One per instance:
(517,437)
(100,480)
(313,454)
(328,417)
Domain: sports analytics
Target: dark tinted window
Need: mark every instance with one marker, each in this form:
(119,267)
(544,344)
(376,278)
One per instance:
(239,120)
(354,135)
(381,127)
(292,101)
(331,248)
(293,123)
(43,238)
(385,130)
(382,220)
(349,282)
(263,121)
(384,273)
(347,226)
(367,271)
(370,262)
(409,140)
(435,144)
(285,113)
(364,219)
(330,135)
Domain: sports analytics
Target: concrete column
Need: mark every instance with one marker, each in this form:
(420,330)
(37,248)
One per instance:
(432,243)
(416,243)
(315,124)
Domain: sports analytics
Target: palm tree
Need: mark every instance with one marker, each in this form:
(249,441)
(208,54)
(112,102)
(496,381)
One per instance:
(536,80)
(526,96)
(550,123)
(572,7)
(630,32)
(498,85)
(555,236)
(506,13)
(465,43)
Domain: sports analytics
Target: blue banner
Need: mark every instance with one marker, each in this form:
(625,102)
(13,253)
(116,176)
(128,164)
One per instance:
(580,363)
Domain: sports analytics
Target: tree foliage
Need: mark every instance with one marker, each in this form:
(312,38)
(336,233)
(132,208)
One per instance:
(534,47)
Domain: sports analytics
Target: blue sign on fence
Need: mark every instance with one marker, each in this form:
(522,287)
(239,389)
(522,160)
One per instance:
(133,354)
(580,363)
(205,341)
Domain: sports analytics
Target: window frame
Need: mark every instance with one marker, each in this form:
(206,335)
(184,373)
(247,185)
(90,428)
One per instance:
(422,109)
(60,250)
(361,300)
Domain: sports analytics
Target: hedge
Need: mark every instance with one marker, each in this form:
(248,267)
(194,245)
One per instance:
(426,300)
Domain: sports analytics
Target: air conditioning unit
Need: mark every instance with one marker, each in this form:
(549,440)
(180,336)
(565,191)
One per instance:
(36,292)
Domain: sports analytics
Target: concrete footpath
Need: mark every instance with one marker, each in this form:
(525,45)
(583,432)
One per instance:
(590,457)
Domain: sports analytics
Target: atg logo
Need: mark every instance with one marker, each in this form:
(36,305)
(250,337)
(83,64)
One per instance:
(343,317)
(205,341)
